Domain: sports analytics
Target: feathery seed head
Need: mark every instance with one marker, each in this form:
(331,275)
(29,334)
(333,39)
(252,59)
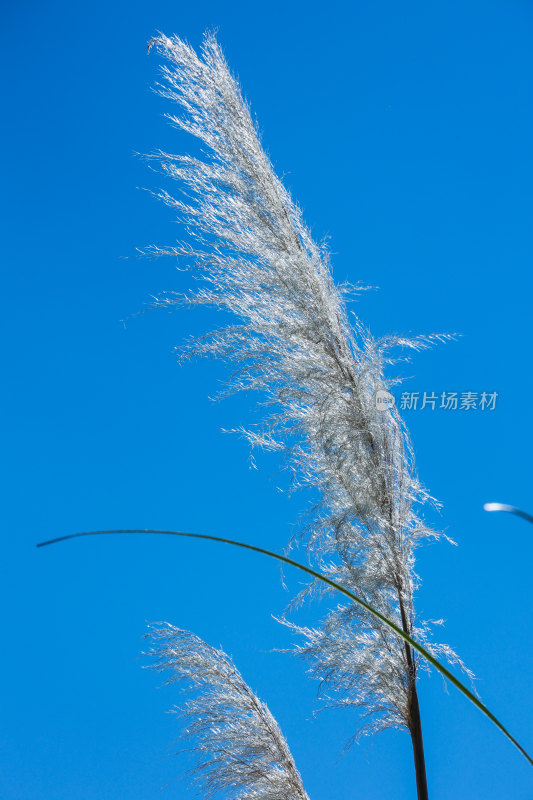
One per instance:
(239,745)
(291,340)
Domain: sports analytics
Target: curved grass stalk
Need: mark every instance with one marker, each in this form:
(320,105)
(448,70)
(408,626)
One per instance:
(510,509)
(286,560)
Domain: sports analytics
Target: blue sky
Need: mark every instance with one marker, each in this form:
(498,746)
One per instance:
(404,131)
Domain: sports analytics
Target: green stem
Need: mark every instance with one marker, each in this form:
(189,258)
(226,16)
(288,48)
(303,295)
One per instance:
(377,614)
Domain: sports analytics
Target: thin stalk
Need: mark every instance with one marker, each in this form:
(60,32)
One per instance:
(377,614)
(415,721)
(510,509)
(415,729)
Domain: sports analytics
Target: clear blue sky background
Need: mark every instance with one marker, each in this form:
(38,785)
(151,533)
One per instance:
(405,132)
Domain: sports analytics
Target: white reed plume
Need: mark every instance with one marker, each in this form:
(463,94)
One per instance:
(319,375)
(240,748)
